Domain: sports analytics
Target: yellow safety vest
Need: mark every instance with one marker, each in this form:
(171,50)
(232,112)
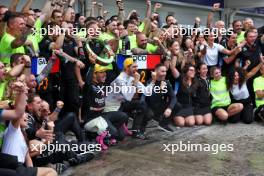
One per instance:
(219,92)
(6,50)
(258,84)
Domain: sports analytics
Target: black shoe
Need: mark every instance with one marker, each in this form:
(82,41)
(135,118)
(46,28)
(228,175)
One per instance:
(165,127)
(224,122)
(85,157)
(139,135)
(81,158)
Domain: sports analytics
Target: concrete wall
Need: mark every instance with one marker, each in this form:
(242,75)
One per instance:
(184,15)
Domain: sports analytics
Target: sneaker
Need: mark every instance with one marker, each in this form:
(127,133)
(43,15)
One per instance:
(165,128)
(127,132)
(85,157)
(100,140)
(139,135)
(113,142)
(110,141)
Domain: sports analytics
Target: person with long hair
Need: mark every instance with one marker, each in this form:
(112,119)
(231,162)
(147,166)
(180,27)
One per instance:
(202,100)
(176,53)
(187,90)
(176,63)
(237,85)
(222,108)
(213,50)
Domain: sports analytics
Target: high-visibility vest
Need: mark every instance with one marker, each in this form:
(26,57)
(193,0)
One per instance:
(258,84)
(219,92)
(133,44)
(5,48)
(2,132)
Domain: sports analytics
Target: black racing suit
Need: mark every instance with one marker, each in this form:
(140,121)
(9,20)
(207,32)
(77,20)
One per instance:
(94,103)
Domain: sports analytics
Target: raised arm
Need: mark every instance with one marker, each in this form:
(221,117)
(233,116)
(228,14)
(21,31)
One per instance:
(210,16)
(175,72)
(47,11)
(93,8)
(13,5)
(54,116)
(67,16)
(156,7)
(121,10)
(148,11)
(100,9)
(27,6)
(20,103)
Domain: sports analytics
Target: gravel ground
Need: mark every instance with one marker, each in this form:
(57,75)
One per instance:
(148,158)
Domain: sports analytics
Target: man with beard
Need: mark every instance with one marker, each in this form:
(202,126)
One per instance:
(14,38)
(237,27)
(39,133)
(163,100)
(141,46)
(127,100)
(112,38)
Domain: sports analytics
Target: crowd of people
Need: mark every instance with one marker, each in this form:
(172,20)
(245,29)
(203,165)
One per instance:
(56,82)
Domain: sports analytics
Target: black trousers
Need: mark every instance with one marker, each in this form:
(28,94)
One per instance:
(69,122)
(139,111)
(7,172)
(56,156)
(159,117)
(115,120)
(69,94)
(246,115)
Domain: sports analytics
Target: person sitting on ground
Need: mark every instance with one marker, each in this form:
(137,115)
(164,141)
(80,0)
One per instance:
(128,101)
(94,105)
(259,92)
(15,143)
(222,108)
(163,102)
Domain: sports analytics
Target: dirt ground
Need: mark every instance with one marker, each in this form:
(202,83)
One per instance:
(148,158)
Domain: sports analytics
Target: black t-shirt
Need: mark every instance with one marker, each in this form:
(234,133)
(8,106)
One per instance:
(251,53)
(44,48)
(159,101)
(226,67)
(68,68)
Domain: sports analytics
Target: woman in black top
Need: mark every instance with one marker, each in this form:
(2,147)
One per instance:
(202,100)
(187,90)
